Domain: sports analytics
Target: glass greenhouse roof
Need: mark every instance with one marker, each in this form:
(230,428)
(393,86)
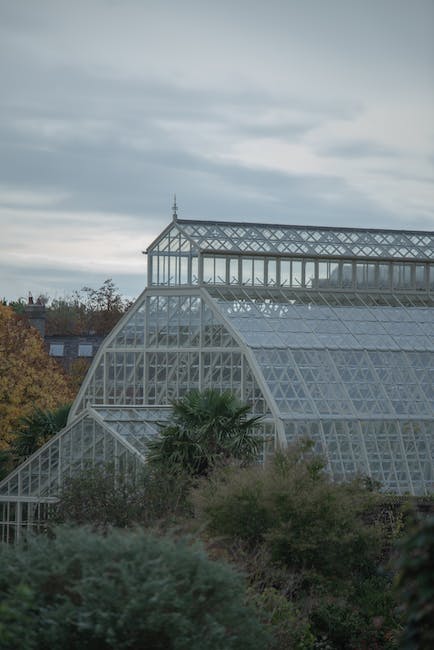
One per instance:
(323,361)
(136,426)
(308,240)
(282,324)
(98,434)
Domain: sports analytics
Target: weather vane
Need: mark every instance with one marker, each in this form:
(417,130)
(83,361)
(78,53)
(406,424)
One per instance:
(174,208)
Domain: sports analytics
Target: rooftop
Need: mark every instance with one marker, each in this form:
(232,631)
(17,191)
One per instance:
(307,240)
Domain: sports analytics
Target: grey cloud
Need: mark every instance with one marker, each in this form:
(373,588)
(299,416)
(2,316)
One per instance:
(111,176)
(16,281)
(105,140)
(132,162)
(359,149)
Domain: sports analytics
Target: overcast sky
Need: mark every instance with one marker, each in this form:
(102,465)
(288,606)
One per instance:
(286,111)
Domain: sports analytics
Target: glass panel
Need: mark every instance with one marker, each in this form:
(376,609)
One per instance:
(271,272)
(183,271)
(402,276)
(194,270)
(173,277)
(220,270)
(384,276)
(233,271)
(420,282)
(154,269)
(247,272)
(365,275)
(431,277)
(285,273)
(258,266)
(208,269)
(347,275)
(296,280)
(309,274)
(162,269)
(328,275)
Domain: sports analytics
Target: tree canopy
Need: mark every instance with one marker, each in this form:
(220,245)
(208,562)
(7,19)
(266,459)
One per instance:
(86,311)
(29,378)
(207,428)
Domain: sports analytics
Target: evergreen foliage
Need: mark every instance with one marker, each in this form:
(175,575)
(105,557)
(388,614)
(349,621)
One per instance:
(119,591)
(309,541)
(415,582)
(208,429)
(37,428)
(293,507)
(32,432)
(101,497)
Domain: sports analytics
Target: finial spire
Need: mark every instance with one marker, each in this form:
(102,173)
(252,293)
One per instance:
(174,209)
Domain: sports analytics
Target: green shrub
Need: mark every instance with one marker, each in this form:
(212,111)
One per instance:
(415,584)
(292,506)
(289,628)
(312,549)
(362,617)
(123,590)
(102,497)
(16,618)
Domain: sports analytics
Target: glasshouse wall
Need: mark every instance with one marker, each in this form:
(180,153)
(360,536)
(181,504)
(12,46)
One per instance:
(326,333)
(170,342)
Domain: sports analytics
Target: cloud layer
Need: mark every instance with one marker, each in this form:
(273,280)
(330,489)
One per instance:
(293,112)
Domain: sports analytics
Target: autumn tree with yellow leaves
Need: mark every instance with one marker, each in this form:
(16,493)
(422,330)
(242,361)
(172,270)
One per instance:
(29,378)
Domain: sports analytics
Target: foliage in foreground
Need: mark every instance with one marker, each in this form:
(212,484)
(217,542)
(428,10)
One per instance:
(207,429)
(124,590)
(312,549)
(101,497)
(415,583)
(304,519)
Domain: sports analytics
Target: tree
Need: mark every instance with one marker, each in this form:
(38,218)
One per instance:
(36,428)
(208,428)
(29,378)
(87,311)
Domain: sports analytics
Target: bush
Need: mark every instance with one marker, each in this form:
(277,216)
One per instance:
(415,583)
(312,549)
(289,628)
(123,590)
(292,506)
(102,497)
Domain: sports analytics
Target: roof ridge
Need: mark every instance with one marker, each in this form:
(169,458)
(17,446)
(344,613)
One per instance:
(206,222)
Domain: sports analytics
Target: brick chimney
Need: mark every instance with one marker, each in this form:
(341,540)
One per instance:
(35,313)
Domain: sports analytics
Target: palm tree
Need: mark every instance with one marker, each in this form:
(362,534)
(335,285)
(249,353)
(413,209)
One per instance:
(207,429)
(36,429)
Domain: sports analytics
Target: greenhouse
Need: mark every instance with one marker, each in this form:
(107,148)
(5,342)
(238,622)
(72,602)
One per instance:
(328,333)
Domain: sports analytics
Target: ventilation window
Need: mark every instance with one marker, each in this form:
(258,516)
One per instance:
(85,350)
(56,349)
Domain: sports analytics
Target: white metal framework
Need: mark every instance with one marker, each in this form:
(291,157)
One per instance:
(327,333)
